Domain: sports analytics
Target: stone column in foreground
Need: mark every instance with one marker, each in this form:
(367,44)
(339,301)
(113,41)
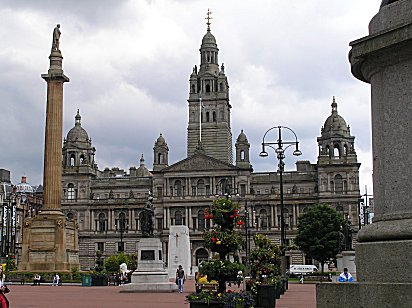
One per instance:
(384,248)
(50,241)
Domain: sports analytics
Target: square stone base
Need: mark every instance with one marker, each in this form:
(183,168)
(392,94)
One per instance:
(364,295)
(50,244)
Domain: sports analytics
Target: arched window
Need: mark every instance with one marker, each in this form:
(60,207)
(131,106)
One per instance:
(263,219)
(178,218)
(193,88)
(71,192)
(121,222)
(286,218)
(338,184)
(345,149)
(207,116)
(221,87)
(214,116)
(72,160)
(178,188)
(200,188)
(339,209)
(81,159)
(201,220)
(207,88)
(328,150)
(336,150)
(102,222)
(242,155)
(159,158)
(201,255)
(139,225)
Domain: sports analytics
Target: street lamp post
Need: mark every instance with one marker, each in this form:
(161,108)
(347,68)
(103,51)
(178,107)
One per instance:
(280,154)
(122,227)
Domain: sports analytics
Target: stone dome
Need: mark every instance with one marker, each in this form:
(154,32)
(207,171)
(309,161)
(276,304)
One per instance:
(242,137)
(24,187)
(209,40)
(160,140)
(142,170)
(77,133)
(335,123)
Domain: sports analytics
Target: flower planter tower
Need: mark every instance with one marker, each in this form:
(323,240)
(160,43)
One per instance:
(222,239)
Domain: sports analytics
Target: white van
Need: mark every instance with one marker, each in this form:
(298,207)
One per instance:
(297,270)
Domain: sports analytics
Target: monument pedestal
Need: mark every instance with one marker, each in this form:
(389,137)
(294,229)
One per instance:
(150,275)
(50,244)
(384,266)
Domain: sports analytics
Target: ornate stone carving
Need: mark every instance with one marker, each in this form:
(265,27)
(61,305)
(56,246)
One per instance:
(199,163)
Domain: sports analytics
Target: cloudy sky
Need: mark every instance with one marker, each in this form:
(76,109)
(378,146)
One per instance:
(129,64)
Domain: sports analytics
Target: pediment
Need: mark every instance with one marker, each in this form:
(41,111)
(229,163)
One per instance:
(199,162)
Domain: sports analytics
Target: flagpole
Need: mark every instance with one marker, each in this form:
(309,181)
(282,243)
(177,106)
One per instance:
(200,116)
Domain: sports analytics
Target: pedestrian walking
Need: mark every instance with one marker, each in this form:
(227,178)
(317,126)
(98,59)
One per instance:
(180,276)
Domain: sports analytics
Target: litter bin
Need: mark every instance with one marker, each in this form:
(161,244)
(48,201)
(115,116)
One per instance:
(86,281)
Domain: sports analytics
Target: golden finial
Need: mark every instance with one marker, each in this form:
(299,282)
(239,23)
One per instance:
(208,19)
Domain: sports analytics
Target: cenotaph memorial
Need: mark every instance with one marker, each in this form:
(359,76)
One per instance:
(383,252)
(179,250)
(50,241)
(150,275)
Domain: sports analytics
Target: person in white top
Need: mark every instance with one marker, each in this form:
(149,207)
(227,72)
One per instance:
(56,280)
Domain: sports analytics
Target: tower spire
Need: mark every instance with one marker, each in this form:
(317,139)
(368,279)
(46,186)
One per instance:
(208,19)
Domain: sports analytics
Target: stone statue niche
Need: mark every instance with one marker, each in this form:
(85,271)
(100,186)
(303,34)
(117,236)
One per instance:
(147,217)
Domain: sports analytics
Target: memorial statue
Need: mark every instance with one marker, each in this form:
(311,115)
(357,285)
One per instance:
(386,2)
(56,38)
(346,236)
(147,217)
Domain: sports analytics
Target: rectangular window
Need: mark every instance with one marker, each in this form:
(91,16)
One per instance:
(159,224)
(242,190)
(100,246)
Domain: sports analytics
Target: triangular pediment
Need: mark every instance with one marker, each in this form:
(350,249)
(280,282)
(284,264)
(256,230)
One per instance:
(199,162)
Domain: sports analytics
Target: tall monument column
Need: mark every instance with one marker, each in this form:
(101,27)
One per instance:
(383,251)
(50,240)
(52,176)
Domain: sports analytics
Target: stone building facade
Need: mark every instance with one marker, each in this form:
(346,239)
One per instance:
(108,203)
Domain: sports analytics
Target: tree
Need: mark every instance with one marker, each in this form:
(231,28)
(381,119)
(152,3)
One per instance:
(319,233)
(112,263)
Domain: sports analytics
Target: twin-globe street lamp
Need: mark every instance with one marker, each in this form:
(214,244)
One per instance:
(280,152)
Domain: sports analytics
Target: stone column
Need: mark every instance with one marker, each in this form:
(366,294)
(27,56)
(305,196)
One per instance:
(53,135)
(384,59)
(383,261)
(50,241)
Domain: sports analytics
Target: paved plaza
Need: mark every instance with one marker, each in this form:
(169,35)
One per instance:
(101,297)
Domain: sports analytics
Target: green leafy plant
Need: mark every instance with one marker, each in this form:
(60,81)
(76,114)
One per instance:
(264,263)
(229,299)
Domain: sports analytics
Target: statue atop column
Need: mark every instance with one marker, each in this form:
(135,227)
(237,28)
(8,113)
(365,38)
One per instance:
(147,217)
(56,38)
